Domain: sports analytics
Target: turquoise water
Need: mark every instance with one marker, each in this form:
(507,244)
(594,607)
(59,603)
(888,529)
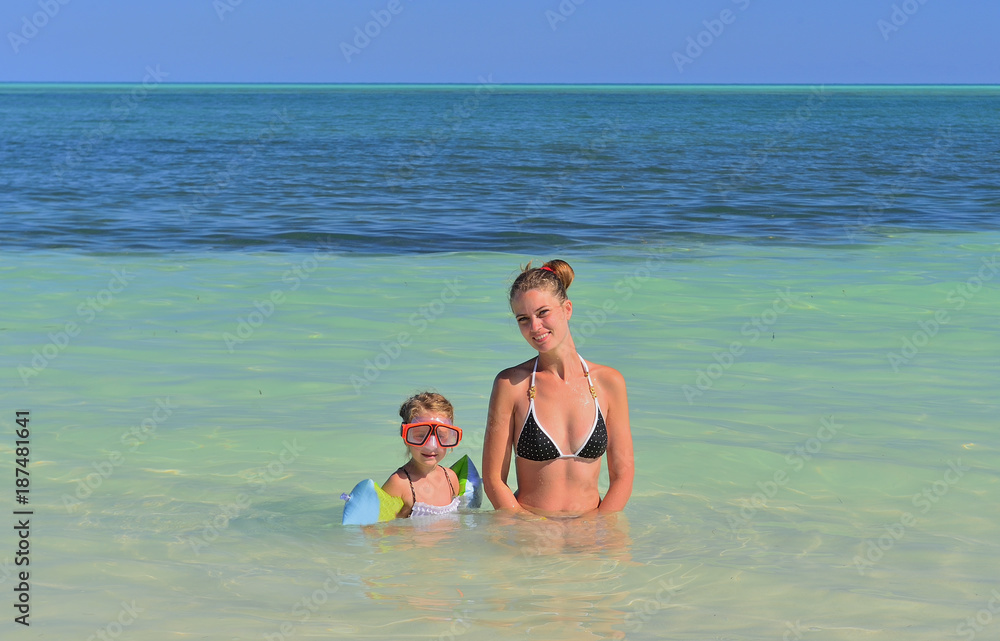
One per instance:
(217,296)
(189,467)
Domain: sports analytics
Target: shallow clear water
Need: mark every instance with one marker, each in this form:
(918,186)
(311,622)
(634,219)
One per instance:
(199,478)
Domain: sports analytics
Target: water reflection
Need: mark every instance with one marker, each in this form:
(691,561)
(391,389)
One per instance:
(545,578)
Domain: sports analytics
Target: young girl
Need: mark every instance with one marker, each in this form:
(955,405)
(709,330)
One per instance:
(426,487)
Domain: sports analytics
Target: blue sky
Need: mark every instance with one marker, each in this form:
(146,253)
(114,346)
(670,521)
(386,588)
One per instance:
(506,41)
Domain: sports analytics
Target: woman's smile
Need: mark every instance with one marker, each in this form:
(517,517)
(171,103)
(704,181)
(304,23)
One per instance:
(542,318)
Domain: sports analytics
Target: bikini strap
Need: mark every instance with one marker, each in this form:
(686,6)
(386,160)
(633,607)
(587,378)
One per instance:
(450,486)
(448,478)
(411,484)
(586,372)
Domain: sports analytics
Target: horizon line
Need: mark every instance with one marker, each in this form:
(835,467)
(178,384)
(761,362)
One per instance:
(508,84)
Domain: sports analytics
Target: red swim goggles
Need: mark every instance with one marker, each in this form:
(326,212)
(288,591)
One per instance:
(418,433)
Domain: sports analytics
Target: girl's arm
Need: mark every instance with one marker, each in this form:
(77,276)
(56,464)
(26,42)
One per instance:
(498,444)
(621,462)
(396,485)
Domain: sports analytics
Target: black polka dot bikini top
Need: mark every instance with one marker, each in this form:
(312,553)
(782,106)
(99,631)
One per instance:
(535,444)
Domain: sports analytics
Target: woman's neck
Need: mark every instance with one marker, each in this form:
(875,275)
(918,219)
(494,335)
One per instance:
(558,360)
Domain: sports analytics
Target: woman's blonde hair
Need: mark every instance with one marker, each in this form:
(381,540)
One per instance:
(555,276)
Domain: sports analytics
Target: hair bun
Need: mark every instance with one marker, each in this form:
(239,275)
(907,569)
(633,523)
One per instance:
(538,278)
(562,270)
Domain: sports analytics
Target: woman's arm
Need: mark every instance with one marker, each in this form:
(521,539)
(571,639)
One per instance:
(621,462)
(498,444)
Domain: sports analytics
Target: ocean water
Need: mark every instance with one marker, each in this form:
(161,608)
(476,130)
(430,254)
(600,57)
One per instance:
(217,297)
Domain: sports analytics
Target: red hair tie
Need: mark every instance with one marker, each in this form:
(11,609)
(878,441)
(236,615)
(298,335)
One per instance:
(548,269)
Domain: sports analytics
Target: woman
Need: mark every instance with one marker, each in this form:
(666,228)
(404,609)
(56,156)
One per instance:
(557,413)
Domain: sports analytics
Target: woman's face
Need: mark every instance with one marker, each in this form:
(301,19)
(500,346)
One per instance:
(542,318)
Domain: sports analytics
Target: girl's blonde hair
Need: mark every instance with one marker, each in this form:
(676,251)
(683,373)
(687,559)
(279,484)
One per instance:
(426,403)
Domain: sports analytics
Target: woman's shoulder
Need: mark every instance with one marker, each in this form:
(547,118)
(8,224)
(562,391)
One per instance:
(514,376)
(606,376)
(509,384)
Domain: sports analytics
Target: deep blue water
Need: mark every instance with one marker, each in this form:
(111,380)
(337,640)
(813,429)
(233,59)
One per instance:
(489,168)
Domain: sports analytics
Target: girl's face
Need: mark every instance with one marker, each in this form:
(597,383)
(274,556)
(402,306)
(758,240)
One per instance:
(542,318)
(430,454)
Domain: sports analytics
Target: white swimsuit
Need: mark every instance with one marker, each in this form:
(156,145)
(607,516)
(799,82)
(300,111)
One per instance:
(426,509)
